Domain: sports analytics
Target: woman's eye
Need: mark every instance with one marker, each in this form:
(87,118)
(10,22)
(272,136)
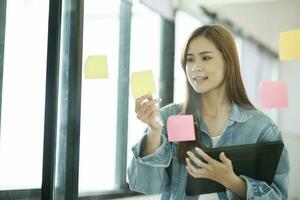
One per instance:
(206,58)
(189,60)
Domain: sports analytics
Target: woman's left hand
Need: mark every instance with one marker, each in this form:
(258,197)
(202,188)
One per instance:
(219,171)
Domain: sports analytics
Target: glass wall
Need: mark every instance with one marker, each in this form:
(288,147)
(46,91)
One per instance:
(23,94)
(144,54)
(185,24)
(99,98)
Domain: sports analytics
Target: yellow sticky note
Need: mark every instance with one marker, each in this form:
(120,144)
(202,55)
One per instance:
(96,67)
(289,45)
(142,83)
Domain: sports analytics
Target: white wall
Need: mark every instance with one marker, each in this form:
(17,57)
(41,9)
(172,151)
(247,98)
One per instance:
(292,145)
(288,120)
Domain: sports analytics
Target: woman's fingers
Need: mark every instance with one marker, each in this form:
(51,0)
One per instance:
(152,102)
(140,101)
(144,102)
(190,165)
(197,161)
(224,159)
(206,157)
(147,114)
(195,172)
(147,111)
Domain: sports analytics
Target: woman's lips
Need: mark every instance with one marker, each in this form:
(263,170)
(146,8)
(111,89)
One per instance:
(200,79)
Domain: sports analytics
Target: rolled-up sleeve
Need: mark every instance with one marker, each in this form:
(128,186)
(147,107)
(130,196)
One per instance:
(279,188)
(147,174)
(161,157)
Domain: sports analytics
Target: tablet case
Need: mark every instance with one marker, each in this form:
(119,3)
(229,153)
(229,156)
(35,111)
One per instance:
(258,161)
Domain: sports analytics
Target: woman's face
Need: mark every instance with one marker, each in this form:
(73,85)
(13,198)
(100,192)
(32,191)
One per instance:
(204,65)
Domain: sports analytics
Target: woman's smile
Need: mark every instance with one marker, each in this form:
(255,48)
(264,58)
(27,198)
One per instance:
(199,79)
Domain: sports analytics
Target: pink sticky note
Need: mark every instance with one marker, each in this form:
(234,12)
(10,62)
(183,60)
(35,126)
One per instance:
(181,128)
(273,94)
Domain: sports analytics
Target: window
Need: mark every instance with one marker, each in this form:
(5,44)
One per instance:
(185,24)
(145,54)
(257,65)
(23,95)
(99,98)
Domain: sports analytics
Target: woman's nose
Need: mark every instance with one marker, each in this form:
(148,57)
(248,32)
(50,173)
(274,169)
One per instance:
(197,67)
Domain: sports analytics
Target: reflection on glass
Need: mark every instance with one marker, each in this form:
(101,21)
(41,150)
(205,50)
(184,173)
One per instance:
(23,98)
(99,98)
(185,24)
(145,54)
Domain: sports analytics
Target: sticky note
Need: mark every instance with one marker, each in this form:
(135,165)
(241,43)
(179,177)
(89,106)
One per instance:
(273,94)
(142,83)
(289,45)
(96,67)
(181,128)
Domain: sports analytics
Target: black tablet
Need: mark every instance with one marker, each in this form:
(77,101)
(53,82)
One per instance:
(258,161)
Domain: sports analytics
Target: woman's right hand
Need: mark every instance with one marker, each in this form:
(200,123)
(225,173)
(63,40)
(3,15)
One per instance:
(147,112)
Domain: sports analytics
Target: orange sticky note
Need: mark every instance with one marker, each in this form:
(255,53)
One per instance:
(142,83)
(273,94)
(96,67)
(181,128)
(289,45)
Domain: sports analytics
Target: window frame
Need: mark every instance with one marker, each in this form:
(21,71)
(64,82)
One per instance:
(123,94)
(51,99)
(2,44)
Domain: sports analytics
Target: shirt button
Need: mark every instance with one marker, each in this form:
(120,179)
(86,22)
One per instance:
(207,145)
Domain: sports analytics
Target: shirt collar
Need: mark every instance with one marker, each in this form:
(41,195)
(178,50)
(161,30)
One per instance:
(239,114)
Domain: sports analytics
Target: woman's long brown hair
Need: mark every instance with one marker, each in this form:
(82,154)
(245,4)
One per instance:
(235,89)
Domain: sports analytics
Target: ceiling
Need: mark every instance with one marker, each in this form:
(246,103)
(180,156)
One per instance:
(262,19)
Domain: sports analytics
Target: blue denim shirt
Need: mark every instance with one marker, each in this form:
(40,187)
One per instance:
(161,172)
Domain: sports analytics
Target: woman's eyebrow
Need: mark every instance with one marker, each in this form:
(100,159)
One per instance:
(204,52)
(200,53)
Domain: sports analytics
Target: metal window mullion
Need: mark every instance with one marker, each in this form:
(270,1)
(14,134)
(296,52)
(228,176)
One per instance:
(70,100)
(21,194)
(166,79)
(74,111)
(51,99)
(123,95)
(2,43)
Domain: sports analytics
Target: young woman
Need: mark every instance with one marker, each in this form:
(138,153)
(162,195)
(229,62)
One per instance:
(224,116)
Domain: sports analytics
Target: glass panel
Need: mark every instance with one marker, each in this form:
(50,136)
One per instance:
(145,54)
(99,98)
(185,24)
(23,98)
